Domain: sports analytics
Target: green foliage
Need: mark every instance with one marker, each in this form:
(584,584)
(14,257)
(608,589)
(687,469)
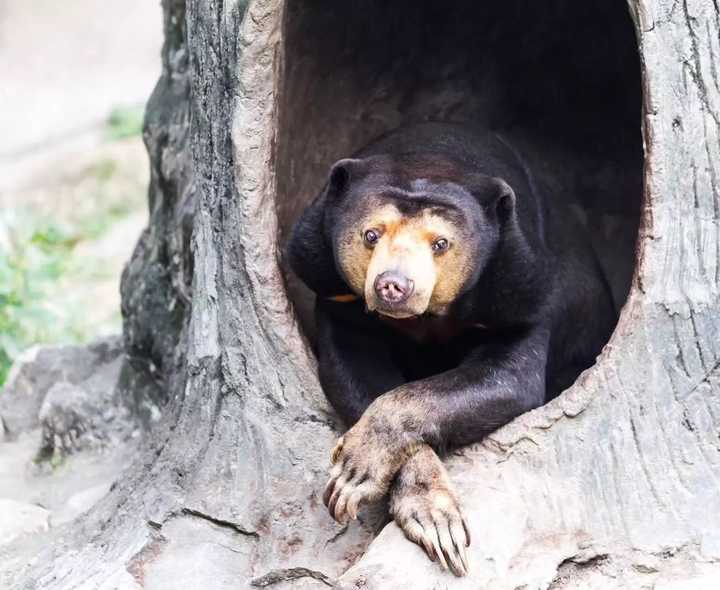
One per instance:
(50,262)
(33,255)
(125,122)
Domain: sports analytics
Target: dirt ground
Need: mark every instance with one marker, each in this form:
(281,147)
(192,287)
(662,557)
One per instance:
(64,65)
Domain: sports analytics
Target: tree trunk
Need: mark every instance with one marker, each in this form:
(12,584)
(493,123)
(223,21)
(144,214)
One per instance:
(613,484)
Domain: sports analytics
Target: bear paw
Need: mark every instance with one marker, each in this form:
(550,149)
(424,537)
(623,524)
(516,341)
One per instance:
(426,509)
(357,478)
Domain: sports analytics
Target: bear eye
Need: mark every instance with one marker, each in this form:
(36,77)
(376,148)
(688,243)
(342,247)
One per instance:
(371,236)
(440,245)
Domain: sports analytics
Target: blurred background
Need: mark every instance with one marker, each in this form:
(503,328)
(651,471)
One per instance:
(74,78)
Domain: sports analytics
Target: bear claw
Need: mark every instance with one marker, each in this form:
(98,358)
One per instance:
(364,462)
(443,534)
(425,507)
(337,449)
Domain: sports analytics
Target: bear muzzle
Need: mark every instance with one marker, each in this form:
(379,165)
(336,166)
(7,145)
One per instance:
(392,287)
(395,295)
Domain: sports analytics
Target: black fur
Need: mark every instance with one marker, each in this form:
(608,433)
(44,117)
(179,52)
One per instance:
(536,290)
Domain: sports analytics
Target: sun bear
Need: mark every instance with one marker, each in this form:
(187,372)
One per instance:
(454,292)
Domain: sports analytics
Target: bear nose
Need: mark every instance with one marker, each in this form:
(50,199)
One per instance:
(392,287)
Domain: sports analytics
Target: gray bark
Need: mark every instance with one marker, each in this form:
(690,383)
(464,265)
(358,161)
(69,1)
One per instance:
(613,484)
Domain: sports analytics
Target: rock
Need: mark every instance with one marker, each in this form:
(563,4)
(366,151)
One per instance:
(94,368)
(19,518)
(25,387)
(71,419)
(16,467)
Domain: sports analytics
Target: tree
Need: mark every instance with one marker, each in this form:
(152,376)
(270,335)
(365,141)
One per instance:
(613,484)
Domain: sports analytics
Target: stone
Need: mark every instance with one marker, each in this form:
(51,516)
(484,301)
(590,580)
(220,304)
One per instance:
(20,518)
(95,368)
(70,419)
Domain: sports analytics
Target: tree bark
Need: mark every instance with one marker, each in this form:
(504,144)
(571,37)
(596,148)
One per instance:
(613,484)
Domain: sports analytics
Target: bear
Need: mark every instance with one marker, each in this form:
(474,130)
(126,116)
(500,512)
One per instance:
(455,290)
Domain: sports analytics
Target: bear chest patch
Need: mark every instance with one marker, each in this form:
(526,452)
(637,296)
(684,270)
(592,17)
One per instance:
(431,329)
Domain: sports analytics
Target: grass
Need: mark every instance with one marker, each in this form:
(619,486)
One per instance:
(59,259)
(125,122)
(33,256)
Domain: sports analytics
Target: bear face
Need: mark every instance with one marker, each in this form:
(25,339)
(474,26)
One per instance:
(408,234)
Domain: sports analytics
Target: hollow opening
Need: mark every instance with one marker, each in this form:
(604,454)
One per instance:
(564,73)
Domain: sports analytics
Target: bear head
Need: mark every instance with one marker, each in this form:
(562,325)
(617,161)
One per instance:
(408,234)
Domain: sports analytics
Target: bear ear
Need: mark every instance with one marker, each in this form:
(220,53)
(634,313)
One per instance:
(341,174)
(505,199)
(494,195)
(310,251)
